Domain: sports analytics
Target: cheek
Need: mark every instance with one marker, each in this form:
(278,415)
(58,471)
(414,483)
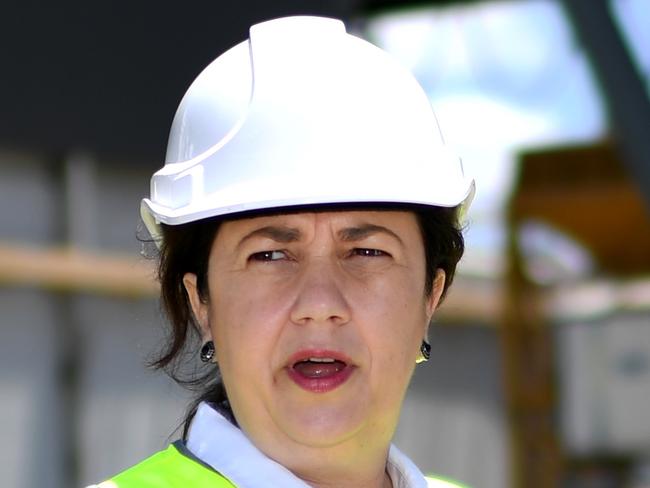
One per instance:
(246,319)
(396,319)
(392,337)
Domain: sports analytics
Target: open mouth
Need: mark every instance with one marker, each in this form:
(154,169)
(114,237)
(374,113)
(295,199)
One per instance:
(319,367)
(319,373)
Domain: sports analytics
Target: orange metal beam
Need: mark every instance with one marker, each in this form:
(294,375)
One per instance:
(75,270)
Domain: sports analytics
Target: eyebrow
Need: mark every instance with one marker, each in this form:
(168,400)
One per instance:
(286,235)
(275,233)
(352,234)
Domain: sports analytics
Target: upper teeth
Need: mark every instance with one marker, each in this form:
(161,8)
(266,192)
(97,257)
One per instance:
(321,360)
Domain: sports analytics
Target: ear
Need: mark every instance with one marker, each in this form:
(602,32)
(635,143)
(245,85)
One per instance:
(436,292)
(199,307)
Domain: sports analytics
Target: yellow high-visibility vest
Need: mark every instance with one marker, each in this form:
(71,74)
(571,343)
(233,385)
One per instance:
(168,469)
(171,468)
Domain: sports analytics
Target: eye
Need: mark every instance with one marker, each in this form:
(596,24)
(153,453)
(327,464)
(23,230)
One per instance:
(369,253)
(268,256)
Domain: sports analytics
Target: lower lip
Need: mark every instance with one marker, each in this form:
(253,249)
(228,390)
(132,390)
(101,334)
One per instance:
(321,385)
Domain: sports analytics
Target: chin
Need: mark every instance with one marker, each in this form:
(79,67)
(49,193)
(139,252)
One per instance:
(323,426)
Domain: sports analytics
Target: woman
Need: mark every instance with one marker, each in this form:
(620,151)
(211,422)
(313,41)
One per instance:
(307,219)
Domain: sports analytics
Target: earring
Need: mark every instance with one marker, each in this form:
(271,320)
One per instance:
(425,352)
(207,352)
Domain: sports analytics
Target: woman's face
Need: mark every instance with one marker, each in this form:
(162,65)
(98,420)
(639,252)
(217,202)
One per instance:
(317,320)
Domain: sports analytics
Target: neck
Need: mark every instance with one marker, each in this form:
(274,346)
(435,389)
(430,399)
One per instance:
(353,472)
(382,480)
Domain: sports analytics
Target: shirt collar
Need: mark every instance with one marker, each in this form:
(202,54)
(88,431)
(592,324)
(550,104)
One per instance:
(224,447)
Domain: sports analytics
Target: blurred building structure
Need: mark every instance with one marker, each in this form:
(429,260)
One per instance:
(541,357)
(575,334)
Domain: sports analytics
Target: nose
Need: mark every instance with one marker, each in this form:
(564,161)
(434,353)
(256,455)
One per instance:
(320,298)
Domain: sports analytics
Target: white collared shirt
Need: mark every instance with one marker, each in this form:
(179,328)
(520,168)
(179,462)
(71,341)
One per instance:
(224,447)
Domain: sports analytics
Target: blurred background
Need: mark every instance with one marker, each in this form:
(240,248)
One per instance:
(540,375)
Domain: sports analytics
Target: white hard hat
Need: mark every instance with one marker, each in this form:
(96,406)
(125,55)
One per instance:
(302,113)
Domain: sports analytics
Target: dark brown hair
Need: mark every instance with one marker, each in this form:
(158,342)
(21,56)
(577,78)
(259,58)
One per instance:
(186,249)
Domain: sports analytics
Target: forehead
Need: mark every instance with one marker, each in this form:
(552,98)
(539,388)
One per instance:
(399,222)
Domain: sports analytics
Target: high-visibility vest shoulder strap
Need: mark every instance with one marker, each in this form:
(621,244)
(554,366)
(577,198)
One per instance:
(442,483)
(168,469)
